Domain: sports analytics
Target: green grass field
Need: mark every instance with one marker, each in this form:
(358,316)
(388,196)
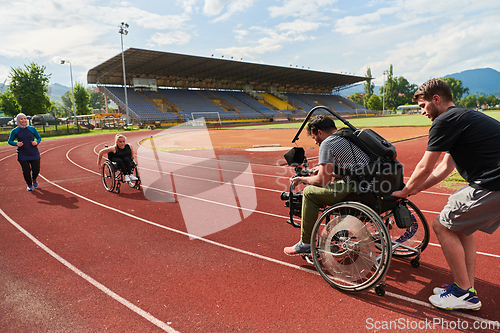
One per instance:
(382,121)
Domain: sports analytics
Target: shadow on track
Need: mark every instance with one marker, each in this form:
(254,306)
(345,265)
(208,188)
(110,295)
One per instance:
(53,199)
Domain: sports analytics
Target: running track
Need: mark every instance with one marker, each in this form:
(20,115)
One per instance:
(75,258)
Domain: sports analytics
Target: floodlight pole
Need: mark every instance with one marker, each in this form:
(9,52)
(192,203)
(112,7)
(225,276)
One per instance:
(383,94)
(72,90)
(124,31)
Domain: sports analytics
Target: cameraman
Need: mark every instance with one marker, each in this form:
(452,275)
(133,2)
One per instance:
(333,151)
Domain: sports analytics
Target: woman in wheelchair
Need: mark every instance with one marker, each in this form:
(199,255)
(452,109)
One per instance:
(122,154)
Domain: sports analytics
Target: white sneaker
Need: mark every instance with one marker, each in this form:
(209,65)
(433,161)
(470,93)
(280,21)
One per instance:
(133,178)
(440,290)
(456,298)
(446,287)
(126,178)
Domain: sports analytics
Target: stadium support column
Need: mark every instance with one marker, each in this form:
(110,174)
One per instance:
(124,31)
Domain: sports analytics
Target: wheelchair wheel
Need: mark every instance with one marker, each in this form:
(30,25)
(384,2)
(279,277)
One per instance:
(108,176)
(416,236)
(135,183)
(351,248)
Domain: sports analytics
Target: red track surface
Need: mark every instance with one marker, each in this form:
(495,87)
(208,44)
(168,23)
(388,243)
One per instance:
(75,258)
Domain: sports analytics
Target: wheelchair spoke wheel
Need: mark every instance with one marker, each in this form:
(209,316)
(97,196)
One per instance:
(108,177)
(416,236)
(351,248)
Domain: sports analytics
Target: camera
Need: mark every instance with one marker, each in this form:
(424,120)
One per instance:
(296,202)
(295,158)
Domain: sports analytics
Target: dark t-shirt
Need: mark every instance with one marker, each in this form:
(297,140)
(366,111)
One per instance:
(473,141)
(121,153)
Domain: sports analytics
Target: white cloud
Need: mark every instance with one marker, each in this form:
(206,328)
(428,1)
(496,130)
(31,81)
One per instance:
(84,32)
(421,38)
(215,7)
(300,8)
(188,5)
(175,37)
(240,34)
(352,25)
(272,42)
(453,46)
(298,26)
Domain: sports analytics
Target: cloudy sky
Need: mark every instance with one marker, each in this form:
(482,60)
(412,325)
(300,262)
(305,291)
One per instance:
(420,38)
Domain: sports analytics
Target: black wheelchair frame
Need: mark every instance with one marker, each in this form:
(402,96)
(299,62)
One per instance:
(352,242)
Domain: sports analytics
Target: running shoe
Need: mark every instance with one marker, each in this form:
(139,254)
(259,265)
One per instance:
(456,298)
(126,178)
(440,290)
(133,178)
(35,183)
(298,249)
(30,188)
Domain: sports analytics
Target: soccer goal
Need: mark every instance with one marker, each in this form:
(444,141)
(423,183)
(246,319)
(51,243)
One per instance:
(199,118)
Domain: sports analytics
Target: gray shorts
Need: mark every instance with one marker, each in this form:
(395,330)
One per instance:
(470,209)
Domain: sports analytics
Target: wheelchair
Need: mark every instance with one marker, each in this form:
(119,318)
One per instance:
(352,242)
(112,176)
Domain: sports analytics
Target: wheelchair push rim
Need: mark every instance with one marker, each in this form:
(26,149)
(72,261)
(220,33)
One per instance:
(351,247)
(416,236)
(135,183)
(108,177)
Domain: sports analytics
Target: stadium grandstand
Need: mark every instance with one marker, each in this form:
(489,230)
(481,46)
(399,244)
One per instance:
(170,89)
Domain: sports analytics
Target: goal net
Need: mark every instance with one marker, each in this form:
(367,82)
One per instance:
(199,118)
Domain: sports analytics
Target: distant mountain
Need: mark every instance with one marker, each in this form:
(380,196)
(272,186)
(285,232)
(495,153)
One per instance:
(485,81)
(56,90)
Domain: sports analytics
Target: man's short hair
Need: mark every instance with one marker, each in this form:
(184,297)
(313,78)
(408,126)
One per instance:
(320,122)
(434,87)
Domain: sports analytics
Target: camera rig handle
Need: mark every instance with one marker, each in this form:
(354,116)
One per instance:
(348,124)
(290,203)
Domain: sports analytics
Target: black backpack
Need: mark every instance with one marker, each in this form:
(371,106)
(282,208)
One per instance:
(383,174)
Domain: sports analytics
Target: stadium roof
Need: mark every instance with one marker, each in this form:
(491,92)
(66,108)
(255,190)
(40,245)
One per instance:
(185,71)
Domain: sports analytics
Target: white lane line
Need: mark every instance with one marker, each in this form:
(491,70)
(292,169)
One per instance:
(427,305)
(107,291)
(250,210)
(482,253)
(231,248)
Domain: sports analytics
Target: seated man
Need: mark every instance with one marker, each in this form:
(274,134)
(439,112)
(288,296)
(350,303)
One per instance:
(121,154)
(333,151)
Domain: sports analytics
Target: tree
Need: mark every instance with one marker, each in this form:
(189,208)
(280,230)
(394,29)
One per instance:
(374,103)
(9,104)
(29,87)
(492,100)
(67,100)
(469,102)
(457,89)
(356,98)
(58,109)
(390,92)
(82,99)
(369,86)
(481,100)
(404,91)
(97,100)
